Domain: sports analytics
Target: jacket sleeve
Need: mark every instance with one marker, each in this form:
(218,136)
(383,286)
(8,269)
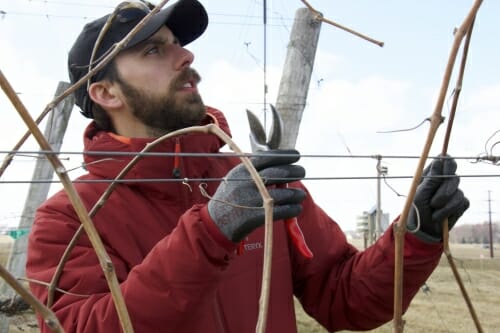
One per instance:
(176,277)
(344,288)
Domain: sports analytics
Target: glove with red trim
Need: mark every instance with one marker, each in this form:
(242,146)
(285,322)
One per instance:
(237,207)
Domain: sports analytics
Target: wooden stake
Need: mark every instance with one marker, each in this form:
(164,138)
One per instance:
(296,76)
(54,131)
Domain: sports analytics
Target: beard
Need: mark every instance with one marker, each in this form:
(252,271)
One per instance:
(168,112)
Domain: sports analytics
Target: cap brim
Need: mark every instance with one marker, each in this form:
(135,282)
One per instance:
(187,19)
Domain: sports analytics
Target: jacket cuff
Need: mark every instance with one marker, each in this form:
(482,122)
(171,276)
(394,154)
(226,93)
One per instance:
(425,237)
(420,244)
(417,243)
(214,231)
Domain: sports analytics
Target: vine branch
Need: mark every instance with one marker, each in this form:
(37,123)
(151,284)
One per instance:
(115,49)
(400,226)
(75,200)
(444,151)
(320,17)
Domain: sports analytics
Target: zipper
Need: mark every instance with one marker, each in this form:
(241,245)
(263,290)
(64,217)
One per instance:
(176,172)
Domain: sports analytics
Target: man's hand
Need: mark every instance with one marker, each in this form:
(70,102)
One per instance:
(237,207)
(438,197)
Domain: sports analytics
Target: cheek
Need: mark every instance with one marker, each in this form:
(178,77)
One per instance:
(158,79)
(152,75)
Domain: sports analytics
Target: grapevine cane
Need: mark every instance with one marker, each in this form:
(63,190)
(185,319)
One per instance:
(444,151)
(104,260)
(436,119)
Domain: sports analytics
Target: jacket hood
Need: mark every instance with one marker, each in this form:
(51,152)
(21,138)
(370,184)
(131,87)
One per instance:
(105,155)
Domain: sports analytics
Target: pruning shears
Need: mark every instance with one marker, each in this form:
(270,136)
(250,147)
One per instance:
(260,142)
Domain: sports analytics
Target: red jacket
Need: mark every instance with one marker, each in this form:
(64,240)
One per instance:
(178,273)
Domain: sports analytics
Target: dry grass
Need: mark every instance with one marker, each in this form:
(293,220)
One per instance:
(442,310)
(5,246)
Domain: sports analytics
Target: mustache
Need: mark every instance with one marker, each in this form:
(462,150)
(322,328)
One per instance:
(187,75)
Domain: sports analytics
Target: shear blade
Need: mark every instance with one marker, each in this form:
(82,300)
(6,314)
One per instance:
(275,134)
(258,137)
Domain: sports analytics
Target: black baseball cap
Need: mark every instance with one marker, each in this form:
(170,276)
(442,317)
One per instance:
(187,19)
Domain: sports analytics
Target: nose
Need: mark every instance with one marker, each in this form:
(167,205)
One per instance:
(186,58)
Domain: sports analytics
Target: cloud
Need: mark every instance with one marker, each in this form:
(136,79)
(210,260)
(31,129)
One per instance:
(342,116)
(35,91)
(234,90)
(339,114)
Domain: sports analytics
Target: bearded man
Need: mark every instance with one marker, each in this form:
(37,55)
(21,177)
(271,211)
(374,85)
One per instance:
(173,248)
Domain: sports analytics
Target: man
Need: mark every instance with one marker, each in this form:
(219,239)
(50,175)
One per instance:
(174,249)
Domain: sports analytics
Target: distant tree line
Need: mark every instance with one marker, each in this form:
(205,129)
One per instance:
(475,233)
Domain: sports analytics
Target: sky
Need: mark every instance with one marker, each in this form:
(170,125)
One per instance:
(357,90)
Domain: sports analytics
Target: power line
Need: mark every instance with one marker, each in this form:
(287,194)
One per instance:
(48,16)
(65,3)
(278,16)
(208,180)
(4,14)
(224,155)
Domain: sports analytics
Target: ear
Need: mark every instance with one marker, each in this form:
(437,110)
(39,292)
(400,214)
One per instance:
(105,94)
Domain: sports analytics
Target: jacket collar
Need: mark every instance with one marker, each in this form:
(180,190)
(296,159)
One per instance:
(109,166)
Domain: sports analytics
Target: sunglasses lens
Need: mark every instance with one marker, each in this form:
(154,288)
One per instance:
(131,11)
(130,14)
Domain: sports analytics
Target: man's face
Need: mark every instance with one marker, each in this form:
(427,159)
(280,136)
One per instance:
(158,84)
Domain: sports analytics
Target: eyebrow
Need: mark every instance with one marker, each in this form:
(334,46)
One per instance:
(155,40)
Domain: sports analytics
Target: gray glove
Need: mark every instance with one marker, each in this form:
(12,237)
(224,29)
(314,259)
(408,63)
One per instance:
(236,207)
(437,198)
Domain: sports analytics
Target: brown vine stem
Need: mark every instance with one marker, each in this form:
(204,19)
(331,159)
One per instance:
(320,17)
(113,52)
(267,200)
(115,49)
(85,218)
(400,227)
(121,309)
(59,169)
(49,318)
(444,151)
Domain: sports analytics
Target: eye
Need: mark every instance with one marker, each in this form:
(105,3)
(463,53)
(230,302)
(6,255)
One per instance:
(152,50)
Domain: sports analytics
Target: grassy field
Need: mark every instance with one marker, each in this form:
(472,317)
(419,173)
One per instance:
(442,310)
(5,245)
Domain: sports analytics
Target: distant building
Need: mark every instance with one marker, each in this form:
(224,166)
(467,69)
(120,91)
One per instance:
(366,225)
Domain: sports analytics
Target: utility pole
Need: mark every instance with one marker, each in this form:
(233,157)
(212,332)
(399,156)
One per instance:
(381,171)
(54,132)
(491,226)
(297,71)
(378,228)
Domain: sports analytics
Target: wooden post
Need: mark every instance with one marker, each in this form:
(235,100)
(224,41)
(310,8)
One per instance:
(297,71)
(37,194)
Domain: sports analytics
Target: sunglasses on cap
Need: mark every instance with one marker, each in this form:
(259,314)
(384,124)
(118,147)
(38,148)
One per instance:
(125,12)
(131,10)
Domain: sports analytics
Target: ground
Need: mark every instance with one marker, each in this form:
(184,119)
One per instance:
(440,309)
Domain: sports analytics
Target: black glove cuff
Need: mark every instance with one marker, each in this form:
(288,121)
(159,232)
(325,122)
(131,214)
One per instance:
(424,236)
